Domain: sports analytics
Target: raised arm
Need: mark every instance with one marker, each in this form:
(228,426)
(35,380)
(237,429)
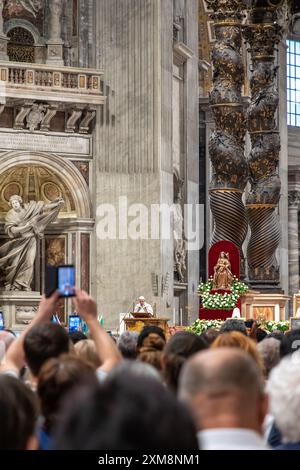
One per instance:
(14,358)
(59,202)
(105,346)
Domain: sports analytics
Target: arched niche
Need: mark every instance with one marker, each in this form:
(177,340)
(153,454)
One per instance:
(68,177)
(26,44)
(67,241)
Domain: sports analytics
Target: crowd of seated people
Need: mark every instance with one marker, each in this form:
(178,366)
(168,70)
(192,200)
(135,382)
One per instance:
(237,388)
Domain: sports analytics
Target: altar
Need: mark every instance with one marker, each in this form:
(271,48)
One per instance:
(137,324)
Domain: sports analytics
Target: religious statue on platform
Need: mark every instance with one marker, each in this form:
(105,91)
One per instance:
(223,276)
(24,224)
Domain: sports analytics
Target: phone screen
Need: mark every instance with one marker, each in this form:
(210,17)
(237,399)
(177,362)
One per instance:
(1,321)
(74,323)
(66,281)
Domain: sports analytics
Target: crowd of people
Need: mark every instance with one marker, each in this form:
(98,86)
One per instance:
(237,388)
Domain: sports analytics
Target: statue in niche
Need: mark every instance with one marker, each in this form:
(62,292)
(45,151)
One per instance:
(25,225)
(179,240)
(223,276)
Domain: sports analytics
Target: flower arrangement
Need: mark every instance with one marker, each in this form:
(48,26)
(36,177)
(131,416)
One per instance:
(200,326)
(275,325)
(217,301)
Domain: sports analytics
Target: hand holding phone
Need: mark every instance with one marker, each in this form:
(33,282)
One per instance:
(60,279)
(85,305)
(75,323)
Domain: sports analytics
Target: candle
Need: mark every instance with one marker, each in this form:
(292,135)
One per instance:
(181,317)
(277,312)
(174,316)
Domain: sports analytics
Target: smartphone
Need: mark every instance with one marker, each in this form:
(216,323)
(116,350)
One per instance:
(74,323)
(66,281)
(2,326)
(61,278)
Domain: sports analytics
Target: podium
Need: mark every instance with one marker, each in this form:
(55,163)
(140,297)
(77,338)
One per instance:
(137,324)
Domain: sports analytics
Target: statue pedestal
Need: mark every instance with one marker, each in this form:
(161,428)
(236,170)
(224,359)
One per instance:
(19,308)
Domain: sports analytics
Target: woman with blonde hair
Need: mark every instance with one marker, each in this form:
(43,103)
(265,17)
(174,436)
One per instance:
(86,350)
(235,339)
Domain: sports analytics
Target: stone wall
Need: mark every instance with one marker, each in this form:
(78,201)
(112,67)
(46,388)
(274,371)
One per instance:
(133,149)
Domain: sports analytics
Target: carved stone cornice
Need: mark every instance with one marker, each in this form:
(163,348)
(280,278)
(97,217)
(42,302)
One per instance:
(181,53)
(38,115)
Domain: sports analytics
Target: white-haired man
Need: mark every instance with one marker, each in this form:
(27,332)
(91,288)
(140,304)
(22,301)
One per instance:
(143,307)
(283,388)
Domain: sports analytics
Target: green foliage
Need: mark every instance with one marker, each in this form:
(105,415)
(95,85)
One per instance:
(200,326)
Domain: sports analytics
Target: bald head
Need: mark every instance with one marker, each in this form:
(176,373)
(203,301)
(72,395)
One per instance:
(220,371)
(223,387)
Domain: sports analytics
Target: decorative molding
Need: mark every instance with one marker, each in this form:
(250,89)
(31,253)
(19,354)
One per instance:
(69,175)
(51,83)
(84,125)
(50,114)
(23,23)
(72,121)
(181,53)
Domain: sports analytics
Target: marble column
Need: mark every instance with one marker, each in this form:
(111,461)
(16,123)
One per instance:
(294,202)
(3,38)
(55,42)
(263,33)
(227,142)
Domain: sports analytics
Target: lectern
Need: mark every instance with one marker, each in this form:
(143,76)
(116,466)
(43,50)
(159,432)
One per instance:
(137,324)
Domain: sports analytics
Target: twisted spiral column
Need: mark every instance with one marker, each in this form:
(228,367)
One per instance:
(263,33)
(226,145)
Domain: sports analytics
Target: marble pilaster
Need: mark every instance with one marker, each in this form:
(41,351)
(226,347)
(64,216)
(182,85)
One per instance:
(55,42)
(294,202)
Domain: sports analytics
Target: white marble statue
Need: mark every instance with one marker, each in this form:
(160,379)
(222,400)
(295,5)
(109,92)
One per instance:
(55,23)
(24,224)
(179,240)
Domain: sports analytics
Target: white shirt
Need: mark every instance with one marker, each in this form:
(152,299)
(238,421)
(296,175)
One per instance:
(146,308)
(231,439)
